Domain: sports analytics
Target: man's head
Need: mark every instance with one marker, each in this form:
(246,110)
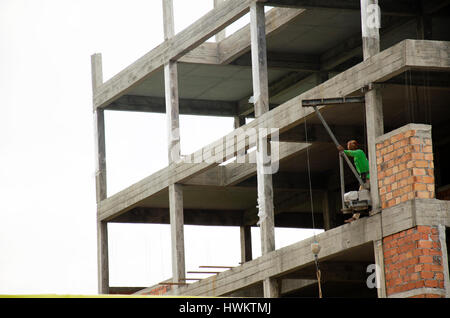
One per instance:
(352,145)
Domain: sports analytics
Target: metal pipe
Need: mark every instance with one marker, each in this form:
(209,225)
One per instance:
(341,172)
(337,144)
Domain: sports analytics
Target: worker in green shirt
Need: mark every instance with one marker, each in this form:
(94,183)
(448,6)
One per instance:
(359,158)
(362,167)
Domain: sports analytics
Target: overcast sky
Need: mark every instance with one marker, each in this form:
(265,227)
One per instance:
(47,196)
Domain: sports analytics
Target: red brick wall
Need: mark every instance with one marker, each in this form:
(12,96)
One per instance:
(158,291)
(412,260)
(405,166)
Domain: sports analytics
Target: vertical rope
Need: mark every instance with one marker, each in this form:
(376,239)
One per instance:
(316,258)
(309,183)
(318,275)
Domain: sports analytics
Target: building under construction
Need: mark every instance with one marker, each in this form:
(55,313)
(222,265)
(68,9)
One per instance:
(377,71)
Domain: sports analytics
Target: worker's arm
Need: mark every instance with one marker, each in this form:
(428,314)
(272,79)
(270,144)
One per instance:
(352,153)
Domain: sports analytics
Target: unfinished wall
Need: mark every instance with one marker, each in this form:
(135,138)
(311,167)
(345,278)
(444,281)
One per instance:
(413,259)
(413,263)
(405,165)
(158,290)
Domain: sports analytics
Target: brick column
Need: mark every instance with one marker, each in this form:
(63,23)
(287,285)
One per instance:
(405,165)
(413,263)
(413,260)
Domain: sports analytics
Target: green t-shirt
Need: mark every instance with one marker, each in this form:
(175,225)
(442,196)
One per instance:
(360,160)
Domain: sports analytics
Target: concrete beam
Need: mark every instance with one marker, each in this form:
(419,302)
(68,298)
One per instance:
(318,134)
(234,173)
(152,104)
(283,60)
(286,260)
(238,43)
(171,50)
(207,217)
(190,216)
(390,7)
(298,256)
(294,181)
(335,271)
(205,53)
(246,108)
(352,46)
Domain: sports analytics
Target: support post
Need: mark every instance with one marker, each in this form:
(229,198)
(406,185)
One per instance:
(246,244)
(175,190)
(100,178)
(245,230)
(445,263)
(222,34)
(341,179)
(261,102)
(102,257)
(326,211)
(177,232)
(370,23)
(379,262)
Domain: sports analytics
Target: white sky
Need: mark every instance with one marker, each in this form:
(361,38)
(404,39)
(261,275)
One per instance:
(47,197)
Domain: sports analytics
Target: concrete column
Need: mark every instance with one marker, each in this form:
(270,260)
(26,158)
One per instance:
(245,231)
(102,257)
(326,211)
(379,262)
(222,34)
(171,88)
(177,232)
(173,131)
(246,244)
(100,178)
(443,240)
(375,128)
(99,131)
(370,23)
(261,102)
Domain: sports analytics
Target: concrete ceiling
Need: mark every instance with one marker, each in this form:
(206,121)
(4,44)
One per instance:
(313,33)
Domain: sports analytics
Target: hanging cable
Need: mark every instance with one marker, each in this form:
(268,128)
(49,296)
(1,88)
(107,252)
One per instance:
(365,130)
(309,183)
(315,247)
